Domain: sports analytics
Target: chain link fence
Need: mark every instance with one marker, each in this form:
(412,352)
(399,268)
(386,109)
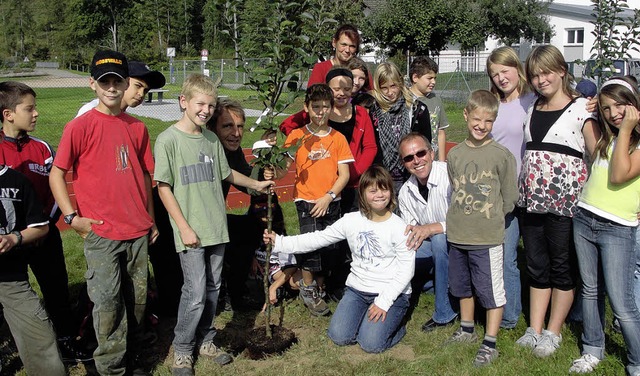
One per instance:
(61,92)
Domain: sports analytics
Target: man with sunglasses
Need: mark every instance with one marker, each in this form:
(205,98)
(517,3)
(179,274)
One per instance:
(423,201)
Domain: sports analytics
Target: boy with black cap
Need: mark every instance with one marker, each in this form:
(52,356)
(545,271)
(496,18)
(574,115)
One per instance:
(141,80)
(110,155)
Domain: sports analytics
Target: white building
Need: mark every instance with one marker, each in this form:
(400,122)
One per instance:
(569,19)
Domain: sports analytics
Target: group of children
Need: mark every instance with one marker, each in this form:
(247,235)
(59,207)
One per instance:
(531,175)
(522,161)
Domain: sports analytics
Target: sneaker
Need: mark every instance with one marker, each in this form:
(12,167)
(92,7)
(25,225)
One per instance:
(72,352)
(460,336)
(484,356)
(584,364)
(529,339)
(547,344)
(313,301)
(210,350)
(182,365)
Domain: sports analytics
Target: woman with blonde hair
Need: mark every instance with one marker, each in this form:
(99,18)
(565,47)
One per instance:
(509,85)
(393,119)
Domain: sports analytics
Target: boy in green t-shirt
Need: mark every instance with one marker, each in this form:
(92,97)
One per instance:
(484,190)
(423,72)
(190,167)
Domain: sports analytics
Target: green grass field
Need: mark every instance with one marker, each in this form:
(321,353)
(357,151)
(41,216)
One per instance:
(417,353)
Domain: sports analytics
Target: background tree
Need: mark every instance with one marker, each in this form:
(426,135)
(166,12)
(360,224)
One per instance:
(426,28)
(615,35)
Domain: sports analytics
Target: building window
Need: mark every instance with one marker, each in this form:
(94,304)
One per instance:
(575,36)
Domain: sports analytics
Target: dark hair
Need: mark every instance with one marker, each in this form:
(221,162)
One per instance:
(364,99)
(620,94)
(338,72)
(318,92)
(422,65)
(633,79)
(351,32)
(222,106)
(379,177)
(11,94)
(357,63)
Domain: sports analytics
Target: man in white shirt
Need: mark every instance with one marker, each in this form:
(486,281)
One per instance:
(423,202)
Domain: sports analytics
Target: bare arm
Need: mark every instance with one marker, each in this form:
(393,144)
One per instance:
(187,235)
(442,145)
(322,204)
(29,235)
(591,134)
(59,190)
(625,166)
(148,185)
(237,178)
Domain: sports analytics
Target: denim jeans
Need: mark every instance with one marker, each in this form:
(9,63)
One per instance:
(31,329)
(202,270)
(512,287)
(437,248)
(606,258)
(350,323)
(637,284)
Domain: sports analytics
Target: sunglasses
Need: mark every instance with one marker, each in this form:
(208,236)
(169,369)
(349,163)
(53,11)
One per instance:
(409,158)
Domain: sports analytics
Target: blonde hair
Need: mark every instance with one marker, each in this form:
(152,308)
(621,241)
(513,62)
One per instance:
(483,100)
(508,57)
(198,83)
(620,94)
(375,176)
(546,59)
(388,72)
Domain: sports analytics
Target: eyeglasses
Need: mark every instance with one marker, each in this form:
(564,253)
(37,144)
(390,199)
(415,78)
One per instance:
(409,158)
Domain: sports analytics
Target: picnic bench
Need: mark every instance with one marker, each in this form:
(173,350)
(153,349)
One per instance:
(160,95)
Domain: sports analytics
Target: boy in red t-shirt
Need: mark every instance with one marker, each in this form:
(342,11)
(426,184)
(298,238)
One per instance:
(322,173)
(110,155)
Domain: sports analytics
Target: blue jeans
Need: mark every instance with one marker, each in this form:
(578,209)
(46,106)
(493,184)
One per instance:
(201,269)
(350,323)
(637,284)
(606,258)
(438,248)
(512,287)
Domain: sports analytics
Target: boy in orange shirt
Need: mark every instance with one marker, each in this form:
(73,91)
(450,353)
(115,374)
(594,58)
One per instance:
(322,173)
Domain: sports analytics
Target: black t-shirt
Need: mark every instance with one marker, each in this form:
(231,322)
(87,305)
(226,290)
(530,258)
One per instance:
(238,162)
(346,128)
(20,209)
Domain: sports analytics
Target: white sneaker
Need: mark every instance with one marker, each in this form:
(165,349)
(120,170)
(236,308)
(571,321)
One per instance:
(547,344)
(529,339)
(584,364)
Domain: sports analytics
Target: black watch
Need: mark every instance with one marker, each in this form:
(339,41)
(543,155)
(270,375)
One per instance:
(69,218)
(333,195)
(18,234)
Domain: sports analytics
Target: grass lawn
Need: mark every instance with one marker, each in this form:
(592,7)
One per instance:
(417,353)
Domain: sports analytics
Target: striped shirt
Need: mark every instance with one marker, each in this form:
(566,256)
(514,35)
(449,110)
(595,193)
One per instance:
(415,210)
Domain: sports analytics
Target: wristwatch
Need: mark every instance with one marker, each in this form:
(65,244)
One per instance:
(18,234)
(69,218)
(333,195)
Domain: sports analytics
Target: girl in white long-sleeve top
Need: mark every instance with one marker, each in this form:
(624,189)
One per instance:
(372,309)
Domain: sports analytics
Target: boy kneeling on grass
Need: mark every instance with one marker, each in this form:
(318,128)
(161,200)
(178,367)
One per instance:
(483,179)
